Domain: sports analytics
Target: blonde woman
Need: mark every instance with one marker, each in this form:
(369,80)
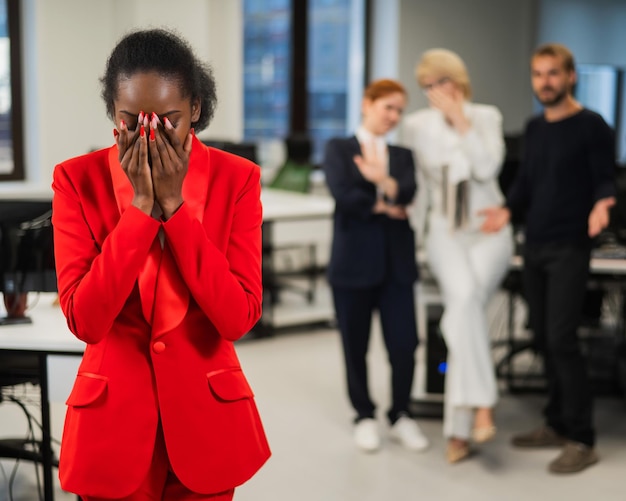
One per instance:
(459,150)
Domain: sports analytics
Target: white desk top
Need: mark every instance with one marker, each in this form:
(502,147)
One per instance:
(281,205)
(48,332)
(598,265)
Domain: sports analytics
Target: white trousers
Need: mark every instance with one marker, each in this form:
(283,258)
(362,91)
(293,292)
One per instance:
(468,267)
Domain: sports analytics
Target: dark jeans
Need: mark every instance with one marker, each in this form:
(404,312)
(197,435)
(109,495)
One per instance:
(555,281)
(354,308)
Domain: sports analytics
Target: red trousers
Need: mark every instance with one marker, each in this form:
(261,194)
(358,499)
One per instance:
(161,484)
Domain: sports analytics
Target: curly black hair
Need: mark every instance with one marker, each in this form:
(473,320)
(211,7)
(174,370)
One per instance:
(167,54)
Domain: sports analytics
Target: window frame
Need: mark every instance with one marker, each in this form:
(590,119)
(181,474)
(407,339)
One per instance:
(17,139)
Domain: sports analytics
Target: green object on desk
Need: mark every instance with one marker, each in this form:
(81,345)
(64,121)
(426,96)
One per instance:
(293,176)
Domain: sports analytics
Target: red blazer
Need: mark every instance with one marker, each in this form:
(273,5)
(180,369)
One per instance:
(159,321)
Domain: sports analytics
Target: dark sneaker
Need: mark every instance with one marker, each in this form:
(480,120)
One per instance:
(574,457)
(543,436)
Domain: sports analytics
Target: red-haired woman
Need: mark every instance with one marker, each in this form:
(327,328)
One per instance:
(372,264)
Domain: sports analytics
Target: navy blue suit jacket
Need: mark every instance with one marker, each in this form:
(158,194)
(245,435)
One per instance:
(368,248)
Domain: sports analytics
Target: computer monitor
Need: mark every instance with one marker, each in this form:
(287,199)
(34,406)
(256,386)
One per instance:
(26,254)
(245,150)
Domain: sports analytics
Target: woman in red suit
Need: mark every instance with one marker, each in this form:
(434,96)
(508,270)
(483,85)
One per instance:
(158,255)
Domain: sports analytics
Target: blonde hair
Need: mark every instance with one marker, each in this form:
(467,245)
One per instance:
(443,63)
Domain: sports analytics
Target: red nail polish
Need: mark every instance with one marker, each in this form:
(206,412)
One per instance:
(152,134)
(142,131)
(122,124)
(115,133)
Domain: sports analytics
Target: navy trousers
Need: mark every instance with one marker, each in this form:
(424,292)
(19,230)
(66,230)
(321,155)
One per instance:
(354,308)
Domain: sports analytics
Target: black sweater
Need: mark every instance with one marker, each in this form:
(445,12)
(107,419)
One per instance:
(567,166)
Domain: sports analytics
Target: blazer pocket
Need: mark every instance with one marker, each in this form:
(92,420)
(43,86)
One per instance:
(87,389)
(229,385)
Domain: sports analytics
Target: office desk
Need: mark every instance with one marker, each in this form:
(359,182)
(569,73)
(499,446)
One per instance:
(48,335)
(281,207)
(605,273)
(597,265)
(608,273)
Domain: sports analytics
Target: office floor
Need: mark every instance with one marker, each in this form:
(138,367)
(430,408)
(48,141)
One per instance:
(298,381)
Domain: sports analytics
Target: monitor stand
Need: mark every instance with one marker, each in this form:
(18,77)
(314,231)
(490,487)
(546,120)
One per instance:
(15,320)
(15,304)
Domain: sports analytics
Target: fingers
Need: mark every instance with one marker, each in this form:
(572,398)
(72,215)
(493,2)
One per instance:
(126,138)
(597,222)
(599,217)
(399,213)
(170,133)
(609,202)
(392,211)
(122,141)
(136,157)
(169,145)
(188,141)
(493,222)
(594,227)
(170,158)
(157,146)
(437,97)
(142,162)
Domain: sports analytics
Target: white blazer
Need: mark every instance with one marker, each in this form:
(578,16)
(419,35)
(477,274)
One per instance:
(476,156)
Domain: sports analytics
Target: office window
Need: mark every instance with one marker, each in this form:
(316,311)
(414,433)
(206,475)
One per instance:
(267,54)
(596,88)
(11,154)
(334,66)
(336,69)
(602,88)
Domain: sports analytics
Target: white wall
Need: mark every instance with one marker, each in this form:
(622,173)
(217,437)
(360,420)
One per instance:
(66,44)
(494,38)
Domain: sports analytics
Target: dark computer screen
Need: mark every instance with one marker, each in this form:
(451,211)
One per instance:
(245,150)
(26,247)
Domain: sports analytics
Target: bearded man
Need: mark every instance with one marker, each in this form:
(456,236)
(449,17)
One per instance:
(564,190)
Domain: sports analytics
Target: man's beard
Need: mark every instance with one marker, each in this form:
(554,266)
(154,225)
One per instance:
(554,100)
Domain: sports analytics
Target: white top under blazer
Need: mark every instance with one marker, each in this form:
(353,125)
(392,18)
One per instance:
(475,156)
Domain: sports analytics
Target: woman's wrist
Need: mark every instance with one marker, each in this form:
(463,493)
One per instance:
(144,204)
(461,123)
(389,187)
(169,207)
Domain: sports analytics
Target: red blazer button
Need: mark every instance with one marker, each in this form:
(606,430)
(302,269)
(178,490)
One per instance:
(158,347)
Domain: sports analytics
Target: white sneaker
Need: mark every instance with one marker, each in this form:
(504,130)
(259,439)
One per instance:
(406,431)
(366,435)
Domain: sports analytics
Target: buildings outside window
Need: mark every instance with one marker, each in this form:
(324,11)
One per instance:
(335,71)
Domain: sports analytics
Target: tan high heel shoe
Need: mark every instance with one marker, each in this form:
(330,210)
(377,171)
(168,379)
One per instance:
(484,429)
(483,434)
(457,450)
